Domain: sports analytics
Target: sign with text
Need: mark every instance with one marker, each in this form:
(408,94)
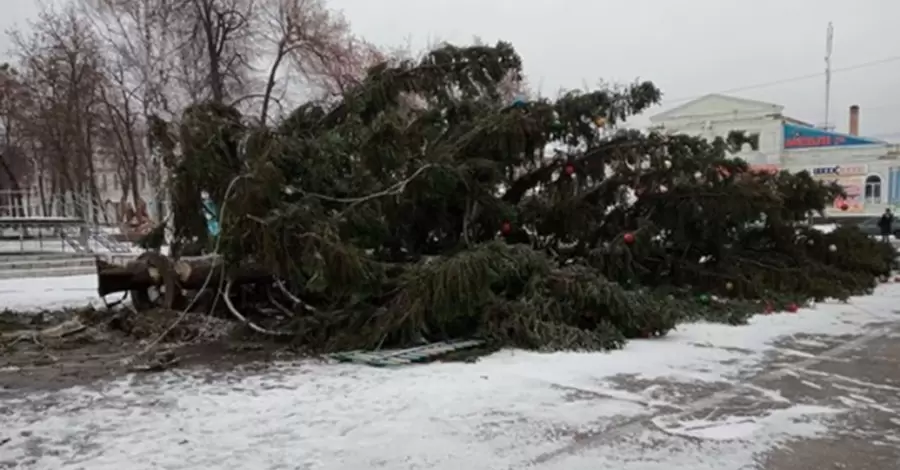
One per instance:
(800,137)
(837,171)
(852,178)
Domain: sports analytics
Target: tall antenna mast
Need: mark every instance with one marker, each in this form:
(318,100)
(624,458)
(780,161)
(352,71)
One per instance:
(829,45)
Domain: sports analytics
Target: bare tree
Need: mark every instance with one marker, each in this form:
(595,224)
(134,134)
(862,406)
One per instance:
(216,41)
(313,41)
(98,72)
(140,71)
(15,170)
(61,68)
(12,99)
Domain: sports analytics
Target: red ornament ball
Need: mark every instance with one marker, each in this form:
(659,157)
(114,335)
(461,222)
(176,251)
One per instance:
(845,206)
(793,308)
(506,228)
(629,238)
(570,170)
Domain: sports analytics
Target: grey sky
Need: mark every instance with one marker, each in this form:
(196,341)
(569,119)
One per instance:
(687,47)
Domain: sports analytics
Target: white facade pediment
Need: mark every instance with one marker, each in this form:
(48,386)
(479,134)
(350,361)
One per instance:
(715,107)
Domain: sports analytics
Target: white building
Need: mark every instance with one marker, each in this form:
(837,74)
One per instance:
(867,168)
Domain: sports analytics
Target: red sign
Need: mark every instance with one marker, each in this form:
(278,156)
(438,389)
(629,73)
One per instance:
(814,141)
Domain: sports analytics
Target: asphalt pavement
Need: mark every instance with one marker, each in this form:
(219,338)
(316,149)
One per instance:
(854,379)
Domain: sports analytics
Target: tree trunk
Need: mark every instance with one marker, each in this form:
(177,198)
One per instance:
(14,198)
(191,274)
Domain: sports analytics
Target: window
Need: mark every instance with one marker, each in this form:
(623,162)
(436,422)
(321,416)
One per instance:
(873,189)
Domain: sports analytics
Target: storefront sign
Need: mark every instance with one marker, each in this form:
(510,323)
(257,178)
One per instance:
(851,178)
(798,137)
(839,171)
(765,168)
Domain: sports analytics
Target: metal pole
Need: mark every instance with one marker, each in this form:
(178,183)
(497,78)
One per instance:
(829,43)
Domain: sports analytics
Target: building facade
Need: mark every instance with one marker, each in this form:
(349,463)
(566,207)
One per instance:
(112,192)
(868,169)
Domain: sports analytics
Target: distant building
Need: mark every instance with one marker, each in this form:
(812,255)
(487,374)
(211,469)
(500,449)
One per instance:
(112,192)
(867,168)
(35,200)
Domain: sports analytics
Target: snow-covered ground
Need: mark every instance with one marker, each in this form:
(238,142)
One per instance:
(511,410)
(52,245)
(828,228)
(825,228)
(32,294)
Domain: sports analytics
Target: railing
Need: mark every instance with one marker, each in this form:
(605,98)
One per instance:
(28,204)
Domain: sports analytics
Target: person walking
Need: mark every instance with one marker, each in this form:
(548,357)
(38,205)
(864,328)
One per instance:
(886,224)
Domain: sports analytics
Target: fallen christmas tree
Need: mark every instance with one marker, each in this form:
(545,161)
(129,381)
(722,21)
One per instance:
(424,205)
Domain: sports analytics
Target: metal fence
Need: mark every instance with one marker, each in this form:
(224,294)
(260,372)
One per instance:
(31,204)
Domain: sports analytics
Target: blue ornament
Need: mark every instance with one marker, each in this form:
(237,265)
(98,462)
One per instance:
(211,213)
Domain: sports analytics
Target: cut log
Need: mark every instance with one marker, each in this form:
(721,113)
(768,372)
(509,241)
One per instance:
(152,270)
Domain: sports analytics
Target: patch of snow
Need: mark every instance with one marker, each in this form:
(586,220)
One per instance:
(33,294)
(847,401)
(811,384)
(810,342)
(729,444)
(826,228)
(501,412)
(742,427)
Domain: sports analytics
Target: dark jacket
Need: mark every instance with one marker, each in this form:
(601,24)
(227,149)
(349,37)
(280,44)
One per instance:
(886,224)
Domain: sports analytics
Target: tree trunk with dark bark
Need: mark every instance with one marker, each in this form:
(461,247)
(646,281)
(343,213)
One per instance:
(189,273)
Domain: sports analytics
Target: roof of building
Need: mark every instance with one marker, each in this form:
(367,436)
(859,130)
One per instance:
(790,120)
(799,136)
(742,102)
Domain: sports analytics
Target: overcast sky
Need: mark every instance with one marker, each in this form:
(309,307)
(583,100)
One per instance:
(687,47)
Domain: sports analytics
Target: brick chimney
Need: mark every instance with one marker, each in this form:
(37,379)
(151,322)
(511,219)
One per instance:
(854,120)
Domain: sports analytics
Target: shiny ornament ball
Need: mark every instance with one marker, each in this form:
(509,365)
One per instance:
(845,206)
(506,228)
(792,308)
(570,170)
(729,286)
(667,164)
(629,238)
(832,248)
(704,298)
